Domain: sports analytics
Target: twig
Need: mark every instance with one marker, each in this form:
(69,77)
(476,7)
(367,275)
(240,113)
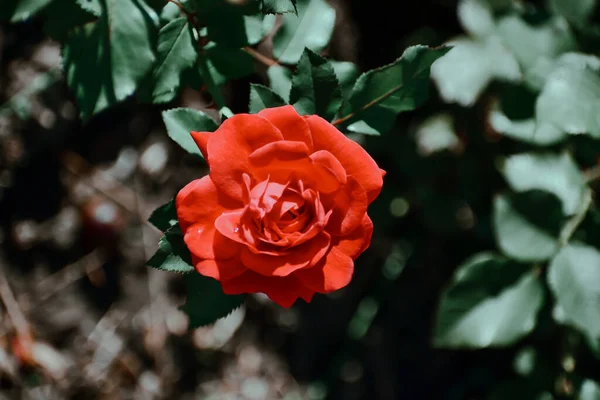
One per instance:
(571,226)
(260,57)
(12,307)
(56,282)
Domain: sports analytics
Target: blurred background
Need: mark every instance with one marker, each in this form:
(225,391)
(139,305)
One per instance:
(83,318)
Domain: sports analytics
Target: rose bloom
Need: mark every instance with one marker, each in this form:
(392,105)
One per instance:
(284,209)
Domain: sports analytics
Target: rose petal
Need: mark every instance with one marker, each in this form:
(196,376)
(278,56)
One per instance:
(325,159)
(303,256)
(282,290)
(331,274)
(351,155)
(292,126)
(200,202)
(229,225)
(206,242)
(201,139)
(229,148)
(356,242)
(283,150)
(349,206)
(221,270)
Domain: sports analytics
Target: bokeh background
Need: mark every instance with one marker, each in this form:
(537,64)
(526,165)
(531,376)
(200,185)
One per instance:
(74,198)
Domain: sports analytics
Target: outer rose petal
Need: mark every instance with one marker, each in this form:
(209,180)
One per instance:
(325,159)
(292,126)
(358,241)
(282,290)
(206,242)
(201,139)
(221,270)
(303,256)
(331,274)
(283,150)
(351,155)
(229,148)
(200,202)
(349,207)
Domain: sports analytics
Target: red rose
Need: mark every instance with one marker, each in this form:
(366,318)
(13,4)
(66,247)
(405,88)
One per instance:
(284,208)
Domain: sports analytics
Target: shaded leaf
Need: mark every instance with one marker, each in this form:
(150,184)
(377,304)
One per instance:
(262,97)
(97,57)
(490,302)
(164,217)
(206,302)
(311,28)
(380,94)
(176,53)
(347,73)
(573,277)
(28,8)
(231,63)
(278,6)
(63,15)
(315,89)
(577,12)
(172,254)
(554,173)
(257,26)
(181,121)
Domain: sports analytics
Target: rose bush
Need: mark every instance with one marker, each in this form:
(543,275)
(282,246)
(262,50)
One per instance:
(284,208)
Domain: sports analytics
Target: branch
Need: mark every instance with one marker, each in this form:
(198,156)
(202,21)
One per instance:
(369,104)
(260,57)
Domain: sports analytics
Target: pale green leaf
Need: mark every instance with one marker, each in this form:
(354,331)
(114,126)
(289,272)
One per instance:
(347,73)
(589,390)
(554,173)
(257,26)
(311,28)
(518,237)
(464,73)
(491,302)
(280,80)
(176,53)
(476,17)
(181,121)
(278,6)
(436,134)
(528,130)
(573,277)
(570,98)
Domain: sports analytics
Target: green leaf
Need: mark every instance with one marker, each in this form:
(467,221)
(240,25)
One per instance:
(231,63)
(311,28)
(181,121)
(280,80)
(517,236)
(63,15)
(464,73)
(589,390)
(490,302)
(212,78)
(94,7)
(227,28)
(571,96)
(176,53)
(28,8)
(573,277)
(380,94)
(206,302)
(279,6)
(315,89)
(554,173)
(172,254)
(577,12)
(164,217)
(98,56)
(347,73)
(262,97)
